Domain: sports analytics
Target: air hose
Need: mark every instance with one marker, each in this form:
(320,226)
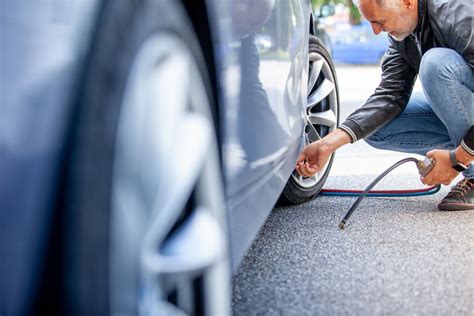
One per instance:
(382,193)
(424,167)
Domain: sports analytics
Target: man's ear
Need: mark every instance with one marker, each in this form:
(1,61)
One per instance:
(409,4)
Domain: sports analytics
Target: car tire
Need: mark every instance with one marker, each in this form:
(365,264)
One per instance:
(322,117)
(124,183)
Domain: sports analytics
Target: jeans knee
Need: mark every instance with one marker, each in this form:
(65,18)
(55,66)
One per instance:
(438,63)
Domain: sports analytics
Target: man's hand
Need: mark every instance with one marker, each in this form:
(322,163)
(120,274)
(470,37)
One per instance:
(315,155)
(313,158)
(442,172)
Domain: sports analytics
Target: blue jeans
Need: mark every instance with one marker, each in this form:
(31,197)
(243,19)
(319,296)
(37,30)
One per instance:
(439,118)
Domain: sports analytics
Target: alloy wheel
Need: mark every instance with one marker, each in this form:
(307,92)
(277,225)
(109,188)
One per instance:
(167,192)
(321,110)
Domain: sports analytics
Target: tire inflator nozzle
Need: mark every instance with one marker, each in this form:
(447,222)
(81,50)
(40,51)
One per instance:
(425,166)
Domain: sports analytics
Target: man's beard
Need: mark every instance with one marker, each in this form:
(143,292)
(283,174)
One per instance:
(400,35)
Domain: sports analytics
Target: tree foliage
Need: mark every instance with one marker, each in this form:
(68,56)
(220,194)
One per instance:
(353,11)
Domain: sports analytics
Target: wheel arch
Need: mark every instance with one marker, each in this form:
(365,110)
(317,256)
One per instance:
(312,23)
(199,13)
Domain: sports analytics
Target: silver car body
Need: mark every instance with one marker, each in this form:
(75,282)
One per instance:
(261,50)
(264,95)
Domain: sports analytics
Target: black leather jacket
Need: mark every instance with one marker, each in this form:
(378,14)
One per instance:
(441,23)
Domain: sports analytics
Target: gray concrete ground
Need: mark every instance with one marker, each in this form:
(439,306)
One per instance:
(398,256)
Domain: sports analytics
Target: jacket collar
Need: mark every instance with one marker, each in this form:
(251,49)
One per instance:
(421,15)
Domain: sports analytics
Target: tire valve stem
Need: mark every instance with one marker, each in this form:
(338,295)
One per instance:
(424,167)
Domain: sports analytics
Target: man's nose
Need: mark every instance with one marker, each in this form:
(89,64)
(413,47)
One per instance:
(376,28)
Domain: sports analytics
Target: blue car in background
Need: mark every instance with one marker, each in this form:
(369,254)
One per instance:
(359,45)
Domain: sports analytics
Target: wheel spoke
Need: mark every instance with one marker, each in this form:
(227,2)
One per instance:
(312,133)
(321,110)
(307,141)
(322,92)
(315,71)
(325,118)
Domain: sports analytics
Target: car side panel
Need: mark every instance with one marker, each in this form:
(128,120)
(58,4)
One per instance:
(40,55)
(264,73)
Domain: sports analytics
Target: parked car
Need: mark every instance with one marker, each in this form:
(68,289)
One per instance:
(359,45)
(144,143)
(323,11)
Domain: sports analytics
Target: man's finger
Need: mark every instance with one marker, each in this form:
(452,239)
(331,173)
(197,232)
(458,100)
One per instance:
(301,158)
(423,180)
(313,169)
(308,170)
(431,153)
(300,171)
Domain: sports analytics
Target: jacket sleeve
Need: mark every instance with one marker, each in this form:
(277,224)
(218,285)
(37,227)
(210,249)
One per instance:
(468,142)
(388,100)
(458,25)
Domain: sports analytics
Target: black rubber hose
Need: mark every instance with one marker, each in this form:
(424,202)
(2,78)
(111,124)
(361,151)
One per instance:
(342,224)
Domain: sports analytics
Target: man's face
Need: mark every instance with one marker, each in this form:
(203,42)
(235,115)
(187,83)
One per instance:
(398,20)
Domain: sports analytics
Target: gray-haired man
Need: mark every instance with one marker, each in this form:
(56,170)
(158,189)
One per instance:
(432,39)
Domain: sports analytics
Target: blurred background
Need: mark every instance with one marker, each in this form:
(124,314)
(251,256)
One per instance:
(349,36)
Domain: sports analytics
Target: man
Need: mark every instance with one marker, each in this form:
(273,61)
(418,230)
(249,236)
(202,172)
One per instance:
(432,39)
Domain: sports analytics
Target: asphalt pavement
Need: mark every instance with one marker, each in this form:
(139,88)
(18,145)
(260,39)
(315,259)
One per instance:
(397,256)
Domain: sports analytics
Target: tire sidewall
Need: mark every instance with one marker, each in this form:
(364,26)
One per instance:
(293,193)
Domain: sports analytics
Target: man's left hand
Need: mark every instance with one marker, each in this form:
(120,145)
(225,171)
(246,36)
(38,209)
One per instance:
(442,173)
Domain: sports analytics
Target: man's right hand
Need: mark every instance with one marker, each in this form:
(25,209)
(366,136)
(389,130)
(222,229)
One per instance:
(313,158)
(315,155)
